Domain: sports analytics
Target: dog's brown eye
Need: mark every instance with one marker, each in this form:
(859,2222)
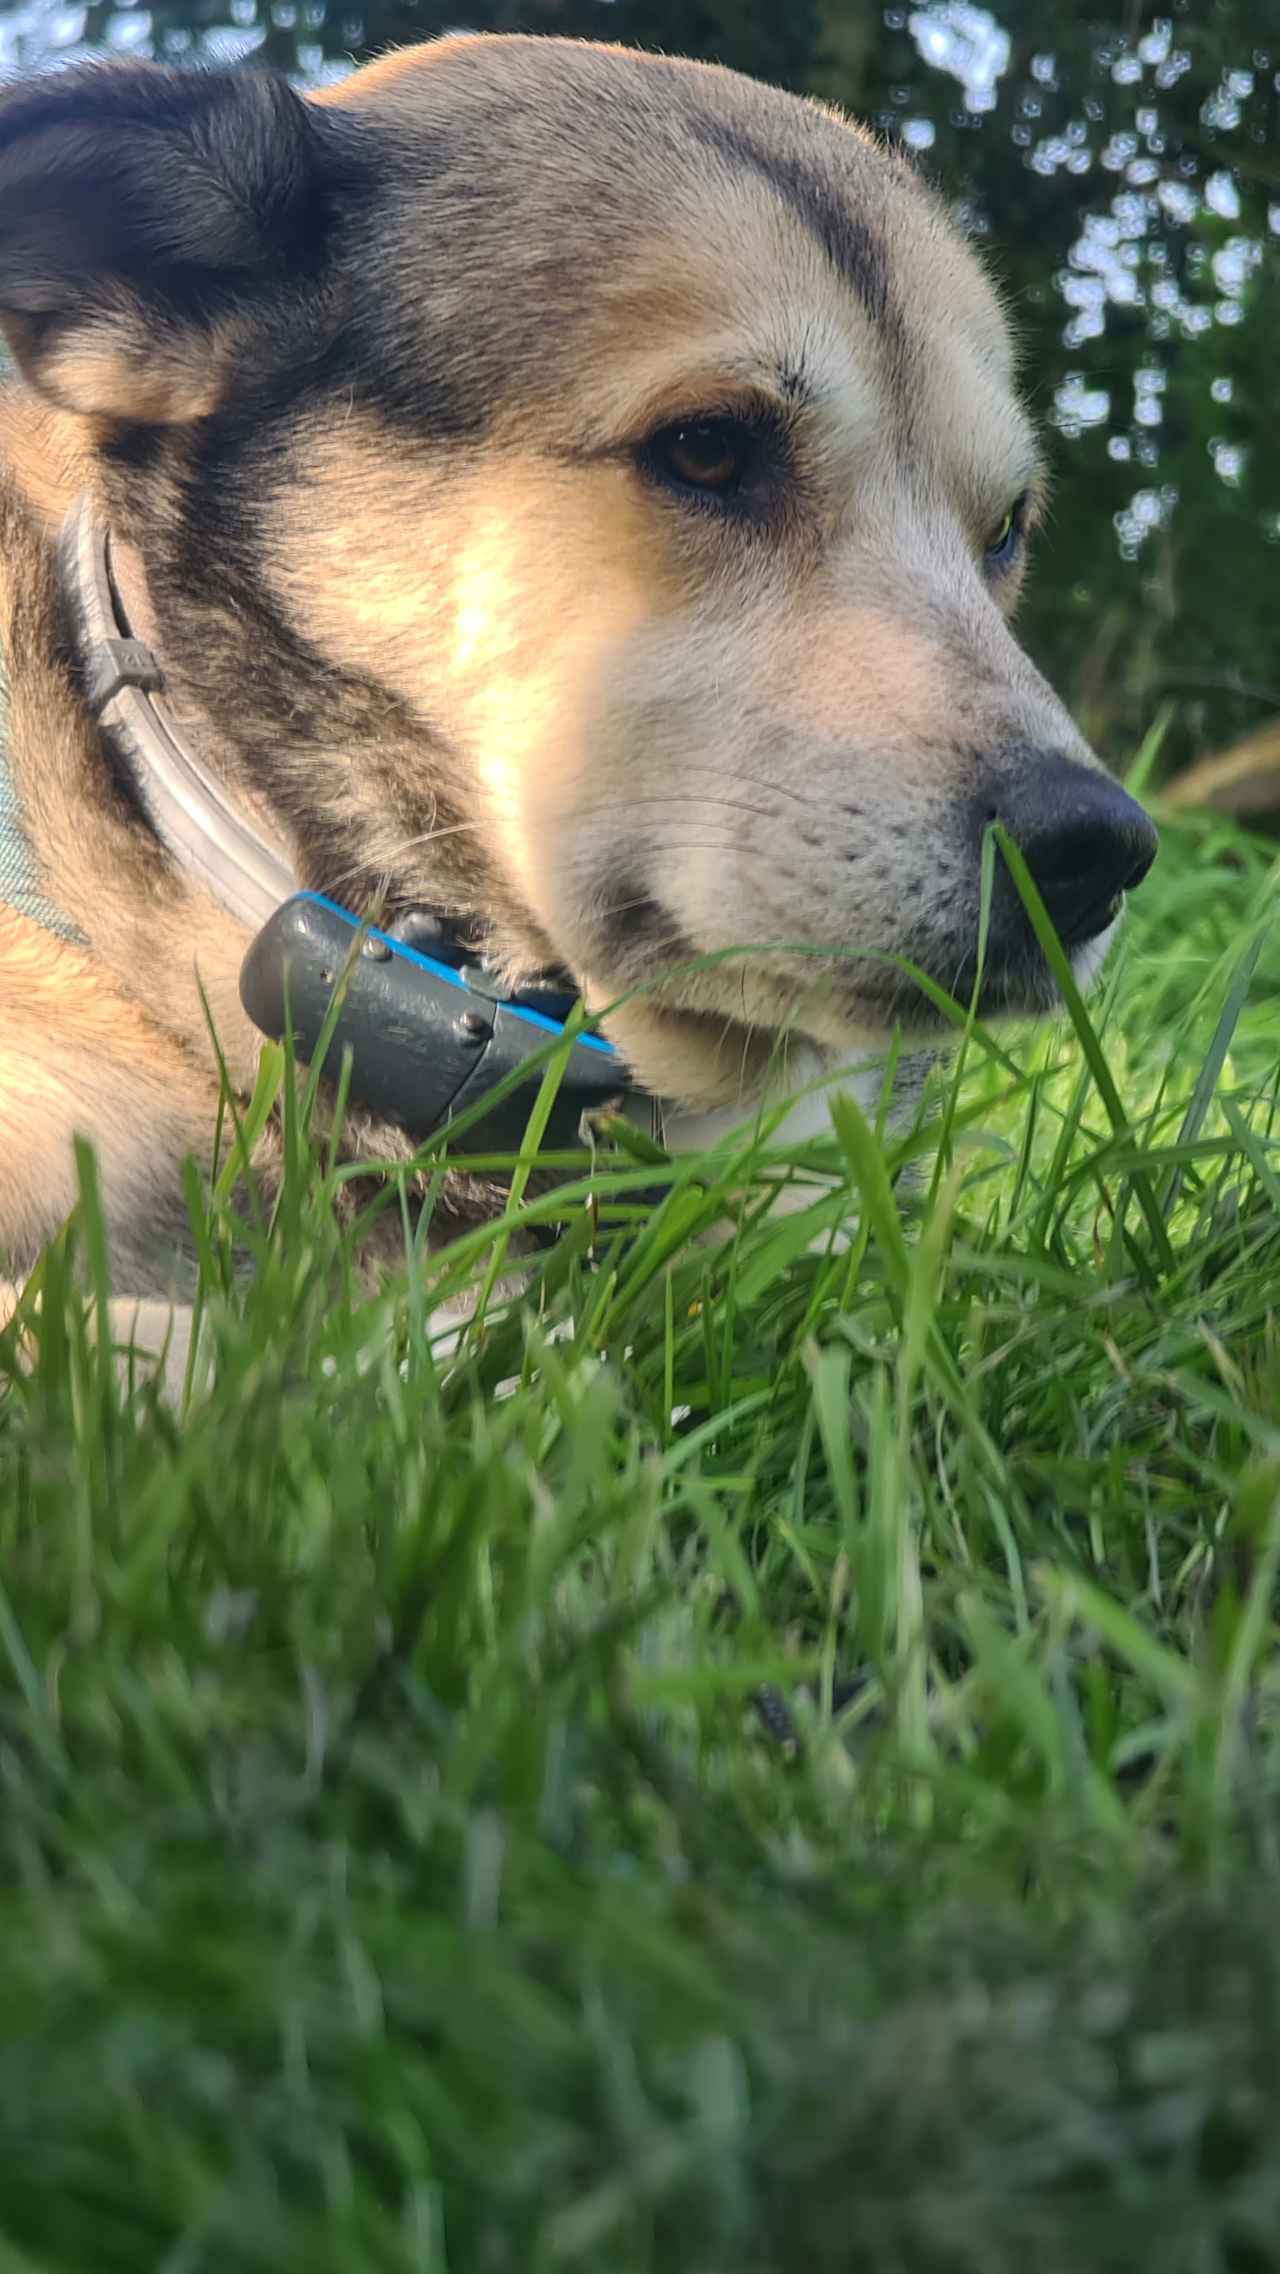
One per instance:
(711,455)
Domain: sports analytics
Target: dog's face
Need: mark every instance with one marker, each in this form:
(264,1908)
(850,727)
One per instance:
(613,474)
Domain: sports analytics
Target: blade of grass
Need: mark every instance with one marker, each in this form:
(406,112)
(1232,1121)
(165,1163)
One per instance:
(1059,963)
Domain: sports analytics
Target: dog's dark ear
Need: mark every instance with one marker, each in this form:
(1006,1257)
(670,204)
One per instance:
(138,207)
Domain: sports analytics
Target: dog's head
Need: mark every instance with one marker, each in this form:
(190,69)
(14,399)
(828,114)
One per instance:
(586,490)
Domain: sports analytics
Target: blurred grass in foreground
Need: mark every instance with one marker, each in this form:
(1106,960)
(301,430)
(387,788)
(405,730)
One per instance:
(786,1778)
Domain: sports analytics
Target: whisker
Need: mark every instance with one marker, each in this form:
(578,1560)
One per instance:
(408,845)
(759,782)
(736,780)
(577,810)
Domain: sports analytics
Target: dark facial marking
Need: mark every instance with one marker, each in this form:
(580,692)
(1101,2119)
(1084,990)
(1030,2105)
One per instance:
(636,928)
(794,383)
(854,247)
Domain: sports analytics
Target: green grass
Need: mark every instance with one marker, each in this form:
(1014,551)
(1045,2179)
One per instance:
(790,1783)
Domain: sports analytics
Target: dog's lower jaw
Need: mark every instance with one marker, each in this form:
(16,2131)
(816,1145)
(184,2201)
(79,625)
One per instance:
(797,1107)
(1087,961)
(797,1101)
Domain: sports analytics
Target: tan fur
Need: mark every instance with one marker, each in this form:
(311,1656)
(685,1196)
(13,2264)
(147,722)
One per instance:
(77,1058)
(118,372)
(112,1044)
(544,692)
(48,454)
(162,943)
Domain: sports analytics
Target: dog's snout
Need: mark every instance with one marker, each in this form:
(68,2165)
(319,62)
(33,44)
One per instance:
(1084,839)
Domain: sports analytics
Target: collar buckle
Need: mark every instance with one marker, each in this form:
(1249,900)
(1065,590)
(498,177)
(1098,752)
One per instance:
(110,665)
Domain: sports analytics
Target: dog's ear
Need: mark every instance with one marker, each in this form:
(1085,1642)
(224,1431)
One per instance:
(138,207)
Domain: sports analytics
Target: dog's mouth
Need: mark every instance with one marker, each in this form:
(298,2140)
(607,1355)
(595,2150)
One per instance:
(1014,978)
(917,987)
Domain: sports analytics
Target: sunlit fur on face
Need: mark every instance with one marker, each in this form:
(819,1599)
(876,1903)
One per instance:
(688,727)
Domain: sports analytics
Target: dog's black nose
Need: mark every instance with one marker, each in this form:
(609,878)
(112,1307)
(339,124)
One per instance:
(1084,840)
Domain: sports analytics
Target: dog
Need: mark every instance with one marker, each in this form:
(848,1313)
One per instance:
(579,492)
